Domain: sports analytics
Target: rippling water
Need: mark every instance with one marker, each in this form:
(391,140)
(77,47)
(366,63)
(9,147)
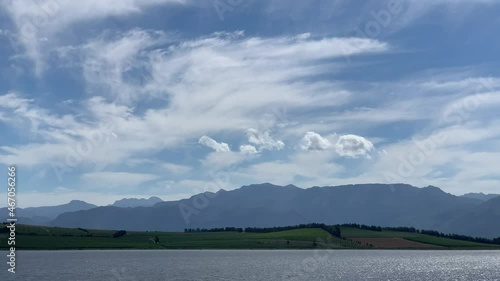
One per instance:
(255,265)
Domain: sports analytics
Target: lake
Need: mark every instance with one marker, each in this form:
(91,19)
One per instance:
(355,265)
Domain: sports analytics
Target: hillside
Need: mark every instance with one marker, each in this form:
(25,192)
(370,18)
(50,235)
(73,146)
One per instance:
(484,220)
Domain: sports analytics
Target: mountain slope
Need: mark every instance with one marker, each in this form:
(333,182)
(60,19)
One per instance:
(482,221)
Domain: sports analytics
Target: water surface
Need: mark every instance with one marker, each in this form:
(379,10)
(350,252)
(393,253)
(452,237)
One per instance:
(354,265)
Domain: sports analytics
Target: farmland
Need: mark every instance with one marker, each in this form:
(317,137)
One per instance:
(380,239)
(55,238)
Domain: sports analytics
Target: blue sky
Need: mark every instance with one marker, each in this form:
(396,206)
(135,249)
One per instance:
(101,100)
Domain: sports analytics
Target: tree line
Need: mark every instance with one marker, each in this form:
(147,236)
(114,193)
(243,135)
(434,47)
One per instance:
(461,237)
(332,229)
(220,229)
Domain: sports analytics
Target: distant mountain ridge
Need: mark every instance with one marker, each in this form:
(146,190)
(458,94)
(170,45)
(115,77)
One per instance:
(267,205)
(134,202)
(481,196)
(45,214)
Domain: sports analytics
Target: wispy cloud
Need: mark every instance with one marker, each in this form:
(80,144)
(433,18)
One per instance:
(116,179)
(40,21)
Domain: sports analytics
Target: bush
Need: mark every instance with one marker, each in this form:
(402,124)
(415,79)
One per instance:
(4,229)
(119,233)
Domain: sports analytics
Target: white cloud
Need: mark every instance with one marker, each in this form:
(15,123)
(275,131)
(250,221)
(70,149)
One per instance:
(205,76)
(172,126)
(217,146)
(248,149)
(159,92)
(61,139)
(314,141)
(263,140)
(215,67)
(353,146)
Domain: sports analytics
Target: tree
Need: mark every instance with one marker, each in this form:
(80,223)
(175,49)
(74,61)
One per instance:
(119,233)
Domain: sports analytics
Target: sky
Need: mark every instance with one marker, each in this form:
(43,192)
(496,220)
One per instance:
(101,100)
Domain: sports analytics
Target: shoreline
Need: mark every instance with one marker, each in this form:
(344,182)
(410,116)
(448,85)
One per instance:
(249,249)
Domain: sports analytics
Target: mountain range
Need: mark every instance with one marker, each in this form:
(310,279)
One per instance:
(266,205)
(44,215)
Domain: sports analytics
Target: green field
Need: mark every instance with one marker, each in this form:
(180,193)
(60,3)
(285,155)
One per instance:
(37,237)
(55,238)
(350,232)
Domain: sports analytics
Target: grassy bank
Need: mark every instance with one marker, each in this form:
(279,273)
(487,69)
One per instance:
(54,238)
